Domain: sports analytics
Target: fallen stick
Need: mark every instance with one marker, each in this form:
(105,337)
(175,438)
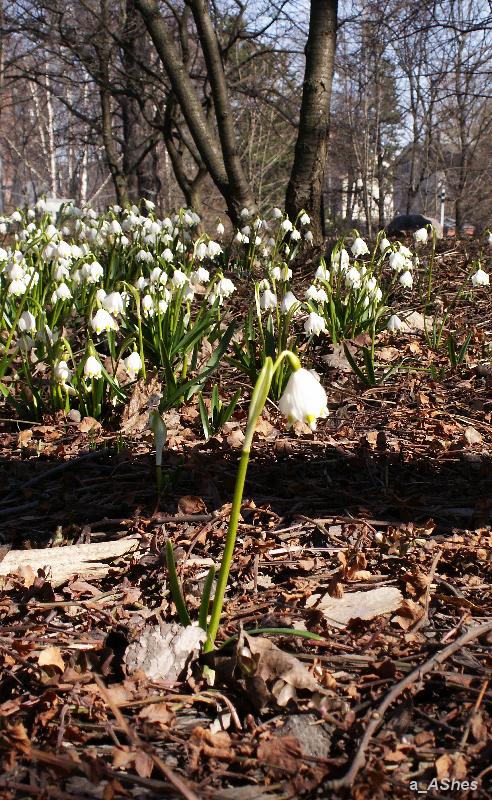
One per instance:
(62,563)
(415,676)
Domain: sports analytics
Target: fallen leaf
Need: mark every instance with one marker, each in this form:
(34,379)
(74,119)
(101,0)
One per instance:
(88,424)
(51,657)
(190,504)
(158,713)
(360,605)
(280,753)
(24,437)
(472,436)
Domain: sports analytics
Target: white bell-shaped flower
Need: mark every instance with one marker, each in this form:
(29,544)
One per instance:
(406,279)
(61,372)
(103,321)
(92,368)
(27,322)
(133,364)
(114,303)
(359,247)
(315,324)
(421,236)
(394,323)
(268,300)
(480,278)
(304,399)
(288,300)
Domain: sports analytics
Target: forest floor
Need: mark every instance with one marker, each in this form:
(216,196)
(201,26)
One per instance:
(373,532)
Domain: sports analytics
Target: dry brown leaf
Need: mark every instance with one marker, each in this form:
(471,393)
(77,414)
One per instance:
(158,713)
(190,504)
(281,753)
(360,605)
(408,614)
(24,437)
(236,438)
(88,424)
(51,657)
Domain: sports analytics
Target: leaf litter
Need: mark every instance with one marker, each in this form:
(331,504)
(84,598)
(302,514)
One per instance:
(374,533)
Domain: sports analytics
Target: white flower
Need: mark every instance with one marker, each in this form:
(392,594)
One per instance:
(295,236)
(304,399)
(201,251)
(245,213)
(63,292)
(238,237)
(480,278)
(188,294)
(311,293)
(322,297)
(17,287)
(315,324)
(93,272)
(309,237)
(405,251)
(276,274)
(64,250)
(214,249)
(406,279)
(133,364)
(394,323)
(421,236)
(148,306)
(61,372)
(397,261)
(200,275)
(225,287)
(179,278)
(155,275)
(27,322)
(100,295)
(489,239)
(220,229)
(286,273)
(384,244)
(304,219)
(359,247)
(103,321)
(162,306)
(115,227)
(341,260)
(286,225)
(353,278)
(277,213)
(16,216)
(92,368)
(149,204)
(141,283)
(321,273)
(114,303)
(246,231)
(268,300)
(287,302)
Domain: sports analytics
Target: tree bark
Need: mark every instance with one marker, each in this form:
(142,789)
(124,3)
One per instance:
(306,181)
(223,165)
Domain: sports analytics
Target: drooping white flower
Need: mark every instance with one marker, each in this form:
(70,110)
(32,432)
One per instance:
(148,306)
(103,321)
(93,272)
(245,213)
(286,225)
(188,294)
(421,236)
(397,261)
(359,247)
(61,372)
(64,250)
(321,273)
(288,300)
(27,322)
(322,296)
(304,219)
(16,216)
(200,275)
(276,274)
(394,323)
(315,324)
(340,260)
(115,227)
(179,278)
(286,274)
(220,229)
(311,293)
(406,279)
(93,368)
(405,251)
(489,239)
(63,292)
(141,283)
(309,237)
(295,236)
(277,213)
(353,278)
(201,251)
(304,399)
(214,249)
(480,278)
(133,364)
(113,303)
(225,287)
(268,300)
(384,244)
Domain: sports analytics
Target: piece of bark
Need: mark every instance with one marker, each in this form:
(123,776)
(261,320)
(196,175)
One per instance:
(62,563)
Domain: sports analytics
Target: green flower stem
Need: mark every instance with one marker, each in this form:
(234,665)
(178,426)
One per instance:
(258,400)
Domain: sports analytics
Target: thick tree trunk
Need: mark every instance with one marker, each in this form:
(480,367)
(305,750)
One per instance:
(306,181)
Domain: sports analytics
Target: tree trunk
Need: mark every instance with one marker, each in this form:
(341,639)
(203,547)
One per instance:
(306,181)
(223,164)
